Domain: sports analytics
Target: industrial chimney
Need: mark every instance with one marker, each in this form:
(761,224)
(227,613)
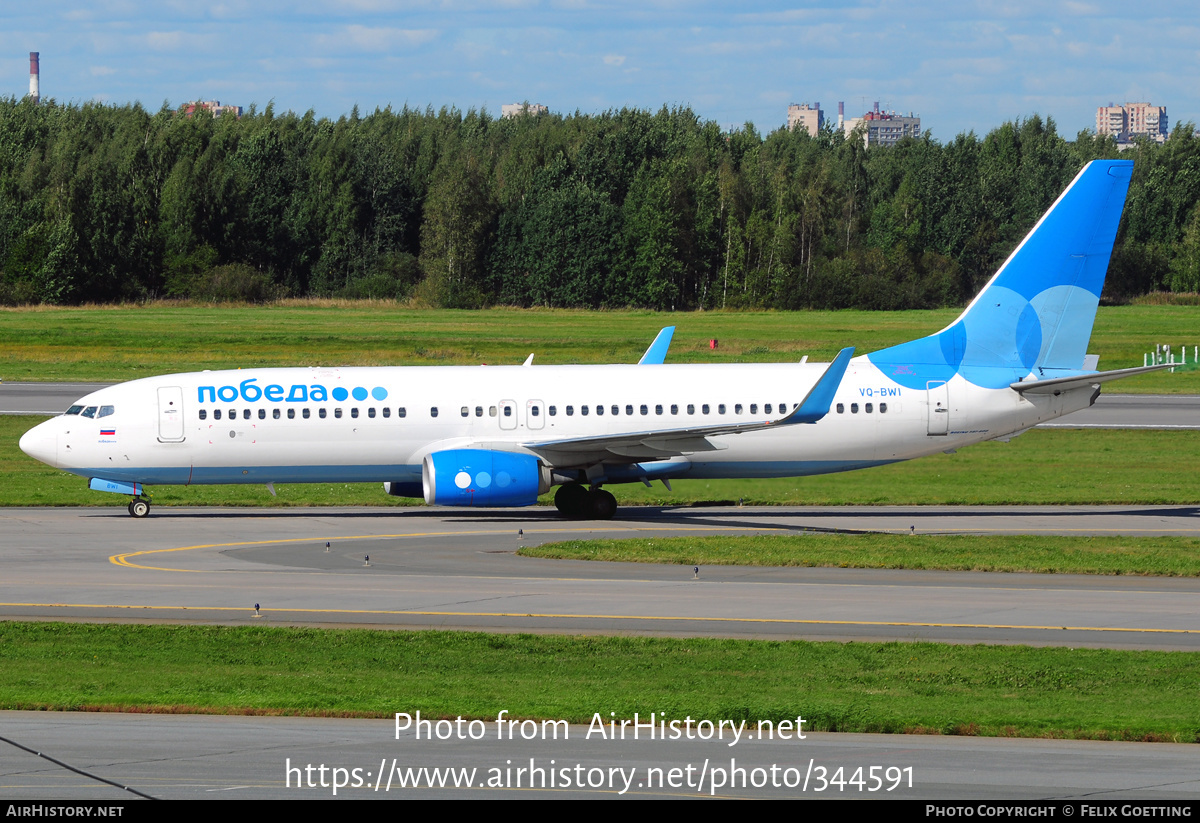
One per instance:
(841,114)
(34,92)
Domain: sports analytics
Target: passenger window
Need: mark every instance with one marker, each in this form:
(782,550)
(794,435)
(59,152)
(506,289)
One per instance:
(615,410)
(305,414)
(644,409)
(262,414)
(400,412)
(291,414)
(337,412)
(491,411)
(274,414)
(737,408)
(203,414)
(321,413)
(704,409)
(90,411)
(465,411)
(387,412)
(233,414)
(629,410)
(479,411)
(658,409)
(371,412)
(883,408)
(754,408)
(854,408)
(216,414)
(570,410)
(674,409)
(105,411)
(600,409)
(691,408)
(354,413)
(553,411)
(870,408)
(583,410)
(841,408)
(533,410)
(720,408)
(767,408)
(432,412)
(507,412)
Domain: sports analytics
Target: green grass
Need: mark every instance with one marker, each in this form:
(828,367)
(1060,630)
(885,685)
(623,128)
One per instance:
(1165,556)
(852,687)
(1044,466)
(127,342)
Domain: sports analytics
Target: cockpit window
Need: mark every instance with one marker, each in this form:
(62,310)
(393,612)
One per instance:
(90,411)
(74,410)
(105,411)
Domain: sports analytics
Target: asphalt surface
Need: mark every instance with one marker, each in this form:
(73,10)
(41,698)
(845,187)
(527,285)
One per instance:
(193,757)
(458,569)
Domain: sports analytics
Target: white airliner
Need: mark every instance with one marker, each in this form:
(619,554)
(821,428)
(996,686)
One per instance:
(502,435)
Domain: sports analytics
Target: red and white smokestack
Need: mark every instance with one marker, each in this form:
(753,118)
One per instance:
(34,90)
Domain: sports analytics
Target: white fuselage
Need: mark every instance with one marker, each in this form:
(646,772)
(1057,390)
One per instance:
(289,425)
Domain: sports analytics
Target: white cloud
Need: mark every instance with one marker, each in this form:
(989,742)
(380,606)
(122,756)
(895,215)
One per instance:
(614,59)
(164,40)
(366,38)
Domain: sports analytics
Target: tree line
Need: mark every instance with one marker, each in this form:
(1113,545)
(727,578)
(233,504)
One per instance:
(104,203)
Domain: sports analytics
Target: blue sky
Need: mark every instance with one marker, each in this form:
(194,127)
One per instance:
(960,64)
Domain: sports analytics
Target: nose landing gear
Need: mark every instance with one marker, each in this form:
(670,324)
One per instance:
(579,503)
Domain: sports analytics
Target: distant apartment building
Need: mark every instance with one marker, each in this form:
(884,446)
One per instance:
(883,128)
(1132,120)
(214,107)
(517,109)
(809,118)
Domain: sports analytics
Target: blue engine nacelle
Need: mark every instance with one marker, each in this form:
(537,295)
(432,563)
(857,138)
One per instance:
(474,477)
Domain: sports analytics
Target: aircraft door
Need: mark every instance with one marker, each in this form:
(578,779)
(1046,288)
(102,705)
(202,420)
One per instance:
(170,414)
(508,414)
(535,414)
(937,401)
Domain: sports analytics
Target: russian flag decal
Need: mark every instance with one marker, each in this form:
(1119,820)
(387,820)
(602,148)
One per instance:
(108,432)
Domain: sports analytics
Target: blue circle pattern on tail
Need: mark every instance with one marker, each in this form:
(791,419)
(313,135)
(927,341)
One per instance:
(1037,312)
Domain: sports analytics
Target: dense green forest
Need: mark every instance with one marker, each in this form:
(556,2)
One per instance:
(627,208)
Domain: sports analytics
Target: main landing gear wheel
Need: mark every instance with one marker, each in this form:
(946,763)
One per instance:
(139,508)
(578,503)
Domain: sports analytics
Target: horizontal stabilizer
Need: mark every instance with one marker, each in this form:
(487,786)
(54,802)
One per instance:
(1058,385)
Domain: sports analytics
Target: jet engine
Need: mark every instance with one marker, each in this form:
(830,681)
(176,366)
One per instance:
(476,477)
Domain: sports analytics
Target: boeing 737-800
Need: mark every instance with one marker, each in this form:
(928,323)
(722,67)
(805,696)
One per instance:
(502,435)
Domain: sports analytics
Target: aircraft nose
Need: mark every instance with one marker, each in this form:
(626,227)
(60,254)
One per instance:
(41,443)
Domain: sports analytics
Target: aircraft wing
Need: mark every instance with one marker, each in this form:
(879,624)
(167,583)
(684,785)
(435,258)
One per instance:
(657,444)
(1057,385)
(657,353)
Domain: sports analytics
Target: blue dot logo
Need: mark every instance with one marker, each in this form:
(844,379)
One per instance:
(340,394)
(379,393)
(359,393)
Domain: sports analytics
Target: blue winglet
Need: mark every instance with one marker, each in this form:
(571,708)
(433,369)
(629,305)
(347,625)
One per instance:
(820,397)
(657,352)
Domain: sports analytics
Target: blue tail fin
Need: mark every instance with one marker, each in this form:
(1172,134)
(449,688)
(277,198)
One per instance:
(1037,311)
